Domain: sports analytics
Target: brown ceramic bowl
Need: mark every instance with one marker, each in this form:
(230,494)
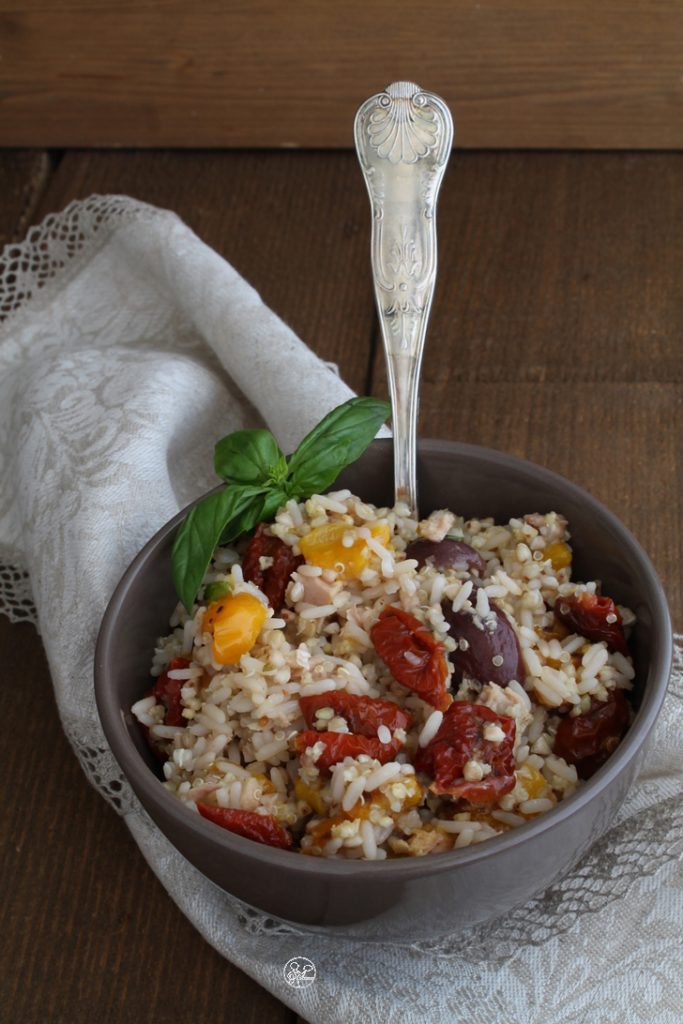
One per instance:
(411,897)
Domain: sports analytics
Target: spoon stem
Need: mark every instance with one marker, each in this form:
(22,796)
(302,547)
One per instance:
(404,376)
(403,140)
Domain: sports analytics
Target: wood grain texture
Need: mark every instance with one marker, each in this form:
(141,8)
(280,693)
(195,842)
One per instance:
(558,266)
(295,225)
(23,176)
(229,73)
(86,931)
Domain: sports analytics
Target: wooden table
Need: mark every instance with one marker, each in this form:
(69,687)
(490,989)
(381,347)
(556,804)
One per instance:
(556,335)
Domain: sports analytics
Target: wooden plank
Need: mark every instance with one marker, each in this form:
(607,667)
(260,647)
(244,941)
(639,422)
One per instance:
(23,176)
(230,73)
(295,225)
(558,266)
(88,930)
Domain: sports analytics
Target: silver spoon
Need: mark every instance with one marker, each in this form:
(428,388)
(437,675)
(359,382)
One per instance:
(403,140)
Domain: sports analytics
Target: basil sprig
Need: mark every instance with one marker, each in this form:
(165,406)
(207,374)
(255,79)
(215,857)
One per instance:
(259,479)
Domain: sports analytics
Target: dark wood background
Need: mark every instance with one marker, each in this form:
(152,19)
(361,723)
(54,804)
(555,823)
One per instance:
(556,335)
(536,73)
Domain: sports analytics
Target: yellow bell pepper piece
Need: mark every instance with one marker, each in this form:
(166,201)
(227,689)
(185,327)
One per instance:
(310,796)
(264,782)
(235,622)
(415,791)
(323,547)
(412,796)
(534,783)
(560,555)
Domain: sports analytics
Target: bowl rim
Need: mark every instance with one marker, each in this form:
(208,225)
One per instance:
(144,781)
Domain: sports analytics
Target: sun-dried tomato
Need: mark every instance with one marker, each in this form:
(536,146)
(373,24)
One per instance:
(587,740)
(595,617)
(167,692)
(461,739)
(338,745)
(158,747)
(262,828)
(274,579)
(363,714)
(415,659)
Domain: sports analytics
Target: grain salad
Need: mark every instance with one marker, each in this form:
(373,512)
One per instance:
(353,683)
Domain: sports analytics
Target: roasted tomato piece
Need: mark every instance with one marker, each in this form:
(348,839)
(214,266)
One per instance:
(487,649)
(338,745)
(587,740)
(446,554)
(597,618)
(460,739)
(415,659)
(363,714)
(262,828)
(272,580)
(167,692)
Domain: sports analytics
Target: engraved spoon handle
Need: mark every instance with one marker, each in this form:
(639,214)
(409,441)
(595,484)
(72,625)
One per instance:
(403,140)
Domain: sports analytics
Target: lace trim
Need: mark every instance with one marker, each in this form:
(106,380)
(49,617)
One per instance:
(101,767)
(28,266)
(16,596)
(634,850)
(256,923)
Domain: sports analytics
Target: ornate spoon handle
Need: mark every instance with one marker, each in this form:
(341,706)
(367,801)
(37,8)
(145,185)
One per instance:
(403,140)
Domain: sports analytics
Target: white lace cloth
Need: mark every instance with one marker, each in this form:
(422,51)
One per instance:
(128,346)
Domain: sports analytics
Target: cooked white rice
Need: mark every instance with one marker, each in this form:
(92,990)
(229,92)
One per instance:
(237,747)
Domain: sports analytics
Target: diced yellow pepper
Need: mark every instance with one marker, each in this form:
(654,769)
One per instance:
(235,622)
(415,791)
(323,547)
(310,796)
(557,631)
(413,796)
(534,783)
(321,830)
(560,555)
(264,782)
(361,810)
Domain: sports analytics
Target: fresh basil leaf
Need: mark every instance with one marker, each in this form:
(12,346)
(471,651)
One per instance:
(278,472)
(260,480)
(339,439)
(243,521)
(274,499)
(199,534)
(248,457)
(261,509)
